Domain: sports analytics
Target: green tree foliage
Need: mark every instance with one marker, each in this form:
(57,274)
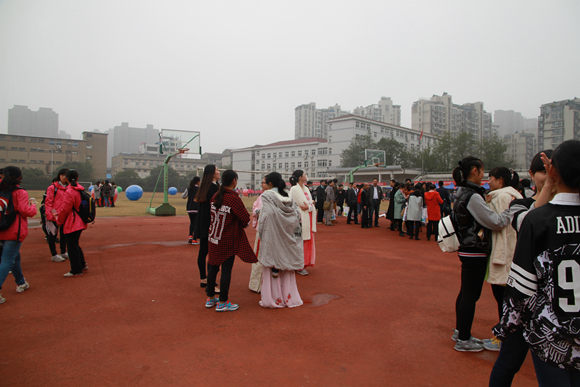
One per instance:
(126,178)
(493,154)
(354,155)
(395,153)
(85,170)
(35,179)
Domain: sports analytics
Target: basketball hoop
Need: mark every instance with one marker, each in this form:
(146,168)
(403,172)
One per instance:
(183,150)
(378,165)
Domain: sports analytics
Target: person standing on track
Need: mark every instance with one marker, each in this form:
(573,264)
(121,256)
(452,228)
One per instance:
(15,234)
(301,196)
(542,296)
(227,239)
(73,225)
(192,207)
(473,221)
(375,200)
(52,206)
(433,202)
(320,197)
(209,186)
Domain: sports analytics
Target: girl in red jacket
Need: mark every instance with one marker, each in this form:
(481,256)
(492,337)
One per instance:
(73,224)
(13,237)
(52,206)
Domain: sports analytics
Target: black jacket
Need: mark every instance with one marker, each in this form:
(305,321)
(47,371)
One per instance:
(203,218)
(320,195)
(351,198)
(391,209)
(472,236)
(444,195)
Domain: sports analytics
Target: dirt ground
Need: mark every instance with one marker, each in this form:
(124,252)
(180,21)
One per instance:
(379,311)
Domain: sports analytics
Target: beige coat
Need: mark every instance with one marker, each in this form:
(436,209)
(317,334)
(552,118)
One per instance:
(504,240)
(299,196)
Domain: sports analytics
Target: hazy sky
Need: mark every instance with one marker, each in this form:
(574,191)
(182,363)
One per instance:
(235,70)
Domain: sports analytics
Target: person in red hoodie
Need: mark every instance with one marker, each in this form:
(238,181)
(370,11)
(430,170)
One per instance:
(13,237)
(433,201)
(52,206)
(73,225)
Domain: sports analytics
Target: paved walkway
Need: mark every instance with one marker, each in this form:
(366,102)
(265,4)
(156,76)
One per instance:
(379,311)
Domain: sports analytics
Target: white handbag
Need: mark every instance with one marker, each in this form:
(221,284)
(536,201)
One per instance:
(447,238)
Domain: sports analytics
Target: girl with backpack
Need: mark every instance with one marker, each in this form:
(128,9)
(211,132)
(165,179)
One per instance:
(473,221)
(52,205)
(15,233)
(69,218)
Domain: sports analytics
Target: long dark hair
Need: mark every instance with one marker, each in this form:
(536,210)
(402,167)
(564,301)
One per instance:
(72,176)
(11,180)
(276,179)
(296,175)
(461,173)
(207,179)
(227,179)
(505,174)
(192,184)
(566,161)
(537,165)
(63,171)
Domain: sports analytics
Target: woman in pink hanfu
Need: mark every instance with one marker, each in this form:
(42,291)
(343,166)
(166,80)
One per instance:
(301,195)
(280,246)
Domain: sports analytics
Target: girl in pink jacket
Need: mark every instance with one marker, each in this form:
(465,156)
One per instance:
(73,225)
(15,234)
(52,206)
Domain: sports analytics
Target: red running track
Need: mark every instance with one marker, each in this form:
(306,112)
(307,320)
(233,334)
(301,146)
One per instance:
(379,311)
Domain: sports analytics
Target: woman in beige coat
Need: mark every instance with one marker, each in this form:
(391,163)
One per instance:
(301,195)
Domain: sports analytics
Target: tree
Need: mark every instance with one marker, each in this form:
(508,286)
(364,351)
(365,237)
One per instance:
(157,173)
(85,169)
(126,178)
(395,152)
(34,179)
(493,154)
(354,155)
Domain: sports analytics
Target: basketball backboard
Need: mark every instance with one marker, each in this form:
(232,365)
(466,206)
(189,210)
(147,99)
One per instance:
(186,142)
(375,156)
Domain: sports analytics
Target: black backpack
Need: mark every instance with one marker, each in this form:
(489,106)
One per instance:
(87,210)
(7,212)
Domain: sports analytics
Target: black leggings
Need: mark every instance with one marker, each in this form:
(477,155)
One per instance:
(413,226)
(52,241)
(192,216)
(224,281)
(75,253)
(473,271)
(432,228)
(203,250)
(498,292)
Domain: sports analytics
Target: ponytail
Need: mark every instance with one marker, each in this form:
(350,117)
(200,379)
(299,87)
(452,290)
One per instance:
(510,178)
(228,178)
(276,180)
(72,176)
(461,173)
(12,178)
(296,175)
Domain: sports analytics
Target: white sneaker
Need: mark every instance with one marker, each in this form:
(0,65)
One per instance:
(65,255)
(22,288)
(57,258)
(2,300)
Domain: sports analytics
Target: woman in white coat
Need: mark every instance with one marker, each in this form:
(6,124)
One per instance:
(301,195)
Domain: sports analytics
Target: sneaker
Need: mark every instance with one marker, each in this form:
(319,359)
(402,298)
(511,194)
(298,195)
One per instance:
(492,344)
(65,255)
(22,288)
(195,243)
(190,240)
(302,272)
(2,300)
(57,258)
(86,267)
(211,302)
(69,274)
(226,306)
(468,346)
(455,337)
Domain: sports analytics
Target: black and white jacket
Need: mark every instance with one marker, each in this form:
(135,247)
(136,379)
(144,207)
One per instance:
(543,289)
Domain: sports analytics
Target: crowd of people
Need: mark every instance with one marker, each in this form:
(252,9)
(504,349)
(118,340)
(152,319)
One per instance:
(104,193)
(524,242)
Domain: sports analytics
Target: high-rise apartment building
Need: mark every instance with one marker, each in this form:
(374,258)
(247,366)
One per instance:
(126,139)
(558,122)
(311,122)
(439,115)
(510,122)
(521,147)
(25,122)
(384,111)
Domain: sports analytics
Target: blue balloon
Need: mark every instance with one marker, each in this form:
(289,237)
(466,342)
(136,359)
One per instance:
(134,192)
(91,188)
(172,191)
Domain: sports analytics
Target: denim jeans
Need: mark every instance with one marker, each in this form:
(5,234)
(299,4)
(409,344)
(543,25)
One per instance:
(106,202)
(550,376)
(11,261)
(512,354)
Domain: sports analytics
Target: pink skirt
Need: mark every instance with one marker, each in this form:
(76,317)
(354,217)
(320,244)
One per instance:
(279,292)
(309,250)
